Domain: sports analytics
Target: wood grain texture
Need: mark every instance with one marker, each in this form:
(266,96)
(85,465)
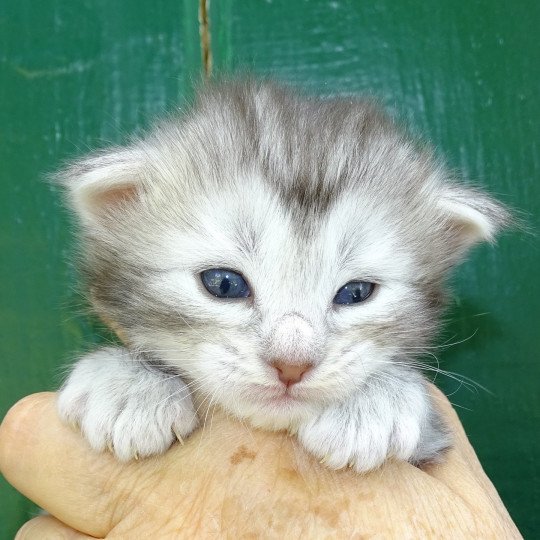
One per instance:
(74,76)
(465,75)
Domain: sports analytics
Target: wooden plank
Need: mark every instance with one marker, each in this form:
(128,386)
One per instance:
(466,76)
(74,75)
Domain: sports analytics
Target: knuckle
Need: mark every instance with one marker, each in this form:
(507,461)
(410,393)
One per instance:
(17,429)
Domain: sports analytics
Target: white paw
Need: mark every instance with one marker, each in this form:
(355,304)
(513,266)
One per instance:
(123,405)
(374,424)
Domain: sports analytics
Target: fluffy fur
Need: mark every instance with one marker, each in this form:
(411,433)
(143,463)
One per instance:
(301,195)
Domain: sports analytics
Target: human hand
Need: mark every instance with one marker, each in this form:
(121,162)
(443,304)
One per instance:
(229,480)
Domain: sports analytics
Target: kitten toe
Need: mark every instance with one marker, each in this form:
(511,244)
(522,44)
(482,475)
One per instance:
(124,406)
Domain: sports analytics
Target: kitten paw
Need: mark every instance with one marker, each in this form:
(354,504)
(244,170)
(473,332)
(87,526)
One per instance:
(125,406)
(375,424)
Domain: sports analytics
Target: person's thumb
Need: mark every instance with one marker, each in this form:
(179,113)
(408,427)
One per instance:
(54,467)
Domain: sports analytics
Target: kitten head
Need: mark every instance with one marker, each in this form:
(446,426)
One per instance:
(276,250)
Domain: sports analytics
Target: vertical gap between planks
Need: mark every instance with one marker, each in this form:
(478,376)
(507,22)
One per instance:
(204,31)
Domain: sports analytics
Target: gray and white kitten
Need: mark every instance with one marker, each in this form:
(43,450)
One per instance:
(280,256)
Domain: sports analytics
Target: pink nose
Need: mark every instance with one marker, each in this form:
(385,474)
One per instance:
(290,374)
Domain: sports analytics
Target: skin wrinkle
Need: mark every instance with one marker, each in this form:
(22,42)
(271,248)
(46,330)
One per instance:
(299,195)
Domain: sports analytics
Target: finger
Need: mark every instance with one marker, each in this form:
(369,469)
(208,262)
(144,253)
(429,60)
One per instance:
(44,527)
(461,471)
(44,459)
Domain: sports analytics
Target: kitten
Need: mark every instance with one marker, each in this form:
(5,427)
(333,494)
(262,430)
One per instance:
(280,256)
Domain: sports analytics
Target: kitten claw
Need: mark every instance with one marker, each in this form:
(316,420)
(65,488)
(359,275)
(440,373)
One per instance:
(178,436)
(125,409)
(74,425)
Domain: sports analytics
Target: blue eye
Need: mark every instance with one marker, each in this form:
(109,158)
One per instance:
(225,283)
(354,292)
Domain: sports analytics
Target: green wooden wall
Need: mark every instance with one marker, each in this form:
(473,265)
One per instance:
(77,74)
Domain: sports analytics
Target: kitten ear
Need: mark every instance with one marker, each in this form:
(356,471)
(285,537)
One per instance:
(103,183)
(471,215)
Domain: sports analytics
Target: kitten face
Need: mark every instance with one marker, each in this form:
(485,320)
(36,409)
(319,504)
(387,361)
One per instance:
(294,270)
(299,196)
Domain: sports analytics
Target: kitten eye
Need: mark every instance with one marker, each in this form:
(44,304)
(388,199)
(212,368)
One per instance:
(225,283)
(354,292)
